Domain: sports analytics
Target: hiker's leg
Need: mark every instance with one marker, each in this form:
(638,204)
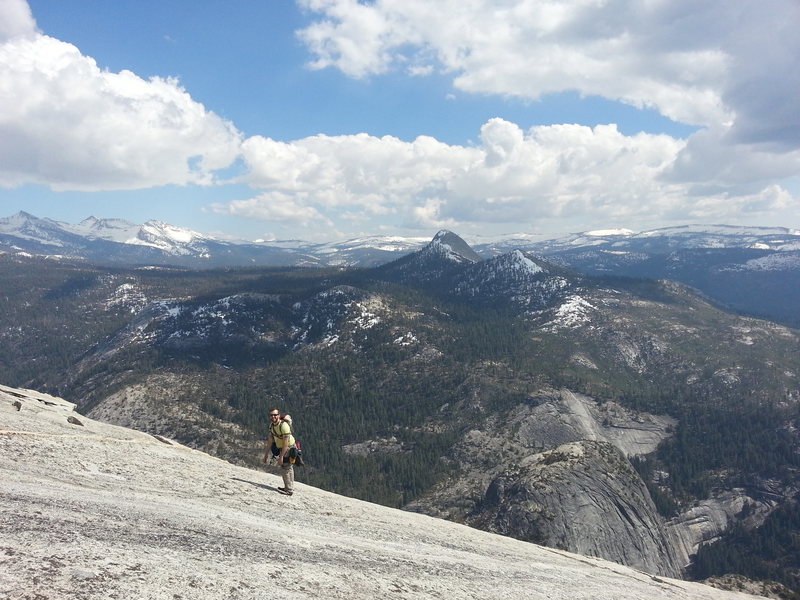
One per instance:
(287,472)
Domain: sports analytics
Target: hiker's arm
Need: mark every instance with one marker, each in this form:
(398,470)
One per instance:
(284,450)
(267,448)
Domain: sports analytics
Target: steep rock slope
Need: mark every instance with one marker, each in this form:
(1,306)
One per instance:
(91,510)
(584,496)
(580,494)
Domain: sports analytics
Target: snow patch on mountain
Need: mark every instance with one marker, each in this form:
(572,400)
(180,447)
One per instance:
(780,261)
(27,227)
(452,247)
(114,230)
(128,296)
(385,243)
(448,252)
(337,314)
(366,316)
(520,262)
(606,232)
(172,309)
(586,241)
(217,312)
(514,278)
(168,238)
(574,312)
(240,318)
(407,339)
(665,239)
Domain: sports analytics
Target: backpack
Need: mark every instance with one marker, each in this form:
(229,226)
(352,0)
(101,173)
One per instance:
(294,455)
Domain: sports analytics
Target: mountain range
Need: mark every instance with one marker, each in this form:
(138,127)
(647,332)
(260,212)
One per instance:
(116,241)
(752,270)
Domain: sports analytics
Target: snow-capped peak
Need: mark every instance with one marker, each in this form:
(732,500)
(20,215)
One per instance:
(16,220)
(573,312)
(114,230)
(28,227)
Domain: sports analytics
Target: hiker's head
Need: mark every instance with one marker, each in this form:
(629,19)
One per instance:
(274,413)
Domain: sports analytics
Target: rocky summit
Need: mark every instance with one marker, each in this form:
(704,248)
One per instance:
(96,511)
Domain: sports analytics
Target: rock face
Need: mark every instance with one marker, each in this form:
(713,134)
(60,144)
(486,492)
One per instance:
(709,519)
(559,417)
(583,496)
(97,511)
(451,245)
(565,481)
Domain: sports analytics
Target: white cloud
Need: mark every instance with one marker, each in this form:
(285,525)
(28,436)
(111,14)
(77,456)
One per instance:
(356,37)
(625,50)
(16,21)
(515,178)
(66,123)
(276,207)
(376,175)
(713,160)
(728,66)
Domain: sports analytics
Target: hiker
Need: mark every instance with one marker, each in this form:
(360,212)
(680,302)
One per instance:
(280,437)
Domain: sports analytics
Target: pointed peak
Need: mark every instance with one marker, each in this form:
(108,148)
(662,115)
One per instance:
(23,219)
(22,216)
(453,247)
(518,260)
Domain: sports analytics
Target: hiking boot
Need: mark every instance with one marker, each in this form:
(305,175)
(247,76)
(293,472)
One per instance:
(285,492)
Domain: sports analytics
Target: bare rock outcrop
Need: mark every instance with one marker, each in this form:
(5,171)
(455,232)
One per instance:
(559,455)
(709,519)
(559,417)
(583,496)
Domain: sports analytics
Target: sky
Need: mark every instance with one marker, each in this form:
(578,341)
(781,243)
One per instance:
(324,120)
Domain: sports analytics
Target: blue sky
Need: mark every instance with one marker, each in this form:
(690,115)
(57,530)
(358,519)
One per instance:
(330,119)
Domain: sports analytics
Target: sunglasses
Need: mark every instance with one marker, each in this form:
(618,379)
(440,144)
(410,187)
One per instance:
(271,415)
